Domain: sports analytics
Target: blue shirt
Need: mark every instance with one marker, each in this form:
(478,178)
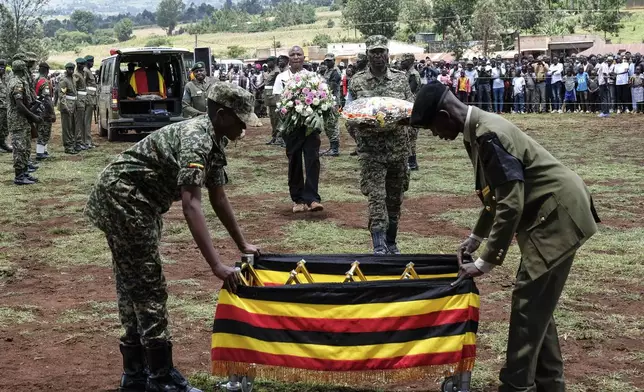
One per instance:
(582,81)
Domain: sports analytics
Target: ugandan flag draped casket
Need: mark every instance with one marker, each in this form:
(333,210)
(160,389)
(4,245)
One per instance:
(383,329)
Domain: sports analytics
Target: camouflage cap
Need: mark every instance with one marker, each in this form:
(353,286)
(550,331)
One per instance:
(81,60)
(19,56)
(329,56)
(18,65)
(362,57)
(377,42)
(43,65)
(234,97)
(31,56)
(198,65)
(408,57)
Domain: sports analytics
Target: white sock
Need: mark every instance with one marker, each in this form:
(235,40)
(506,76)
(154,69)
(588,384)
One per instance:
(40,149)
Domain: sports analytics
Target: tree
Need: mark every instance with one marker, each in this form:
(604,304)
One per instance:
(413,12)
(83,21)
(605,15)
(157,40)
(20,27)
(523,15)
(486,25)
(236,51)
(252,7)
(322,40)
(372,16)
(457,37)
(168,14)
(444,13)
(51,26)
(123,29)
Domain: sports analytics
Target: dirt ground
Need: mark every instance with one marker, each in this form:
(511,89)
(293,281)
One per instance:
(68,340)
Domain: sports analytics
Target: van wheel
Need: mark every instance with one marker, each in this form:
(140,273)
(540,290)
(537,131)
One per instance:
(112,134)
(101,130)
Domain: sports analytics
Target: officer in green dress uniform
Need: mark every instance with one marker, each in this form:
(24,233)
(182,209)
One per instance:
(196,92)
(527,192)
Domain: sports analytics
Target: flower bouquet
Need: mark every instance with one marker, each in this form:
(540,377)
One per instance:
(306,104)
(378,112)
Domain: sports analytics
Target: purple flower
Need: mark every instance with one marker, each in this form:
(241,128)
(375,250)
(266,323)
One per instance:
(283,111)
(309,100)
(322,94)
(306,90)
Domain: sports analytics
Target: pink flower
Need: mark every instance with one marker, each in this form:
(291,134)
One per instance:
(297,78)
(283,111)
(298,102)
(322,94)
(306,90)
(309,101)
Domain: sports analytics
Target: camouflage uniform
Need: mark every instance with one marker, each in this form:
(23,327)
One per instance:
(4,129)
(19,126)
(90,104)
(134,191)
(414,84)
(269,98)
(81,105)
(67,106)
(43,92)
(334,81)
(382,153)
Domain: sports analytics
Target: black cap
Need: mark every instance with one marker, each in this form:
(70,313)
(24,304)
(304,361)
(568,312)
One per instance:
(283,56)
(427,103)
(271,58)
(43,65)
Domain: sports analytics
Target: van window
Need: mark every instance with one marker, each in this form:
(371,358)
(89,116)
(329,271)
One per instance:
(106,72)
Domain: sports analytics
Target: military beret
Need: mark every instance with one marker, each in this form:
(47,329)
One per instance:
(18,65)
(89,58)
(329,56)
(408,57)
(427,104)
(80,60)
(19,56)
(198,65)
(43,65)
(377,42)
(3,62)
(31,56)
(70,65)
(233,97)
(271,58)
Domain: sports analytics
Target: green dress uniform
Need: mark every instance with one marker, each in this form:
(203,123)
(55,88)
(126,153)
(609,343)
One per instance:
(332,127)
(525,190)
(81,105)
(383,154)
(67,106)
(91,100)
(195,96)
(270,101)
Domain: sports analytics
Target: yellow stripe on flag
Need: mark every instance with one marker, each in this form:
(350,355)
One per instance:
(281,277)
(358,311)
(442,344)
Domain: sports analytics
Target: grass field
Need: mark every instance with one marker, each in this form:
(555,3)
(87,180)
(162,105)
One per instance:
(58,320)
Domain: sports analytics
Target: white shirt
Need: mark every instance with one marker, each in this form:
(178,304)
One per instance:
(622,74)
(602,72)
(519,83)
(282,78)
(556,72)
(496,77)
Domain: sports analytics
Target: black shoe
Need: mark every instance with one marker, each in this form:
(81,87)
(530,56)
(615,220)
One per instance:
(31,178)
(84,147)
(280,142)
(78,149)
(23,179)
(31,168)
(270,142)
(413,164)
(5,148)
(163,376)
(379,243)
(41,157)
(354,153)
(135,375)
(71,152)
(334,151)
(392,232)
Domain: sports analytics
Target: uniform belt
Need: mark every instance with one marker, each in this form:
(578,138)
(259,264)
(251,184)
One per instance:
(82,93)
(91,89)
(70,97)
(268,88)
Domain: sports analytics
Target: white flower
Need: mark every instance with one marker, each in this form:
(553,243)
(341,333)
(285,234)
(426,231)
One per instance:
(325,106)
(279,105)
(316,101)
(289,104)
(299,108)
(308,110)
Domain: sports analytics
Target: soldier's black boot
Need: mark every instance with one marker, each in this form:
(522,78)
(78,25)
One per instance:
(392,232)
(23,179)
(135,376)
(412,162)
(5,148)
(163,376)
(271,142)
(379,243)
(334,151)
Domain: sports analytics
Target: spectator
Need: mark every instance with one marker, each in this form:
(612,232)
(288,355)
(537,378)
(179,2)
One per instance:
(593,92)
(612,91)
(622,87)
(497,74)
(540,70)
(508,89)
(473,76)
(455,73)
(582,89)
(570,98)
(530,87)
(464,88)
(602,69)
(518,86)
(485,77)
(557,81)
(444,78)
(548,83)
(637,84)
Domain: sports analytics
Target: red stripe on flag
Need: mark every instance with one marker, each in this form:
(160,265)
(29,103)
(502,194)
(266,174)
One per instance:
(385,324)
(408,361)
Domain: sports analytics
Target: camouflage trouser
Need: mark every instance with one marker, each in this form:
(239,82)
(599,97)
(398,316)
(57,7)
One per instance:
(332,130)
(21,140)
(86,137)
(413,136)
(272,114)
(79,123)
(140,284)
(352,132)
(4,129)
(44,133)
(384,183)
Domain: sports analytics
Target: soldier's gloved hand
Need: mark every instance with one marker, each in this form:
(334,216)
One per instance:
(467,247)
(229,275)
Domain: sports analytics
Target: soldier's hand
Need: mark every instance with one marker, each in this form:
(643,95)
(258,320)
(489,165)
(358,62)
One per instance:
(466,248)
(250,249)
(467,270)
(38,119)
(229,275)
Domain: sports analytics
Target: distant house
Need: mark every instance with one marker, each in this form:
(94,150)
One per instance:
(561,45)
(614,49)
(348,52)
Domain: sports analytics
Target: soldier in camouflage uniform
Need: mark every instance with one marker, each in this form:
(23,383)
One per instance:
(127,203)
(407,64)
(91,101)
(271,103)
(383,154)
(4,129)
(332,129)
(196,93)
(43,92)
(361,65)
(19,119)
(67,106)
(81,104)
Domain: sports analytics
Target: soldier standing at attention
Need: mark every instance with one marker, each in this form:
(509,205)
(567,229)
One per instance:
(91,101)
(67,106)
(43,92)
(271,103)
(127,203)
(19,119)
(525,191)
(332,129)
(4,128)
(407,65)
(383,155)
(81,104)
(196,92)
(30,60)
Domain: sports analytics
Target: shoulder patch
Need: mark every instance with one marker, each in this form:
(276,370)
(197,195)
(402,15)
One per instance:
(499,165)
(195,166)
